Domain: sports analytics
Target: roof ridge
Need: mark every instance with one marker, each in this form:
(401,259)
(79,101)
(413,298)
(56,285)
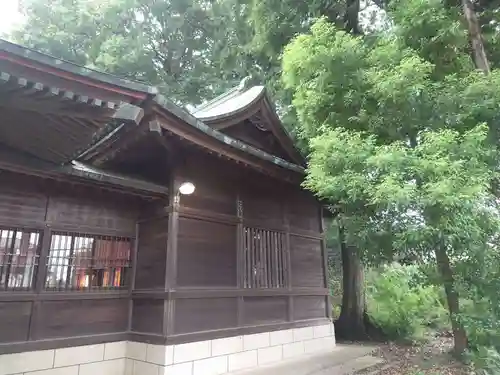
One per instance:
(74,68)
(242,86)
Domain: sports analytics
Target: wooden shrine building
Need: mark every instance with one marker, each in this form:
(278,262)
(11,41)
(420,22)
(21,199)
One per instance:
(111,264)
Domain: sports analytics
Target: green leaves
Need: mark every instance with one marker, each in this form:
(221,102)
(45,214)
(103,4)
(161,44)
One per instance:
(324,69)
(401,305)
(435,32)
(183,47)
(405,150)
(445,169)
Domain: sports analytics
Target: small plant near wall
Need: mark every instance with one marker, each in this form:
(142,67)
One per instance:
(401,306)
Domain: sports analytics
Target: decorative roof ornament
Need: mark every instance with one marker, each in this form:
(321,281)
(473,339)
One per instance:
(245,83)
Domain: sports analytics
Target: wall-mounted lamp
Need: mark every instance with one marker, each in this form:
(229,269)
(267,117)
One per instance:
(186,188)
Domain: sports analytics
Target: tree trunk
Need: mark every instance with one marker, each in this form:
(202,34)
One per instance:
(351,323)
(476,38)
(351,17)
(444,268)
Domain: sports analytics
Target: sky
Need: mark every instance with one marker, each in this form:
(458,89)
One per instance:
(9,15)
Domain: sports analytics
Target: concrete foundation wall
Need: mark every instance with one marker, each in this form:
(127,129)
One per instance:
(211,357)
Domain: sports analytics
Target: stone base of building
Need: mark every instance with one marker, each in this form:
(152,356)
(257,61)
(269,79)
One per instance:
(210,357)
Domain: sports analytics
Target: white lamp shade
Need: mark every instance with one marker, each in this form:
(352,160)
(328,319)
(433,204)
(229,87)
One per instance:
(186,188)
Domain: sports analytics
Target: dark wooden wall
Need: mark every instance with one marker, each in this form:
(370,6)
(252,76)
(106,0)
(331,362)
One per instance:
(39,318)
(264,140)
(187,282)
(208,287)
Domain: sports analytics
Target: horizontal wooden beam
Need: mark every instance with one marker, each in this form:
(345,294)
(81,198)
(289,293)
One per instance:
(48,295)
(205,215)
(186,293)
(195,213)
(65,227)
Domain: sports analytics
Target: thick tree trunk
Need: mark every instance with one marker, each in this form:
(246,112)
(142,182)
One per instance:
(475,36)
(351,323)
(351,17)
(444,268)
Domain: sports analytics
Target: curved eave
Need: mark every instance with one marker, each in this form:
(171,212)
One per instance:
(8,48)
(203,128)
(203,113)
(259,101)
(281,133)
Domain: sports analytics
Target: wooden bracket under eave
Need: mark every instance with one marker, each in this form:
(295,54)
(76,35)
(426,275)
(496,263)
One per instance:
(129,112)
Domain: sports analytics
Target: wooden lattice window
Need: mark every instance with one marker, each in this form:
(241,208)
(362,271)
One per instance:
(19,258)
(81,262)
(264,258)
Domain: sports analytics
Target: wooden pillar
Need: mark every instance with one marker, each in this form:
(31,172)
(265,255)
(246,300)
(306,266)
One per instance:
(41,270)
(324,253)
(133,259)
(171,259)
(240,259)
(286,220)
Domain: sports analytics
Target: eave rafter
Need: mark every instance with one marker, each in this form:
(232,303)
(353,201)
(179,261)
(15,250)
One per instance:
(122,131)
(78,173)
(50,65)
(60,125)
(173,120)
(19,92)
(54,124)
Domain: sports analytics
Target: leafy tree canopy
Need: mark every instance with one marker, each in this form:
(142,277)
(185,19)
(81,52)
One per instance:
(186,48)
(400,131)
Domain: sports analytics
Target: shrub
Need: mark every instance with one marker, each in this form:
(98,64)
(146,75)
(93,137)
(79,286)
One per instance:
(401,305)
(486,360)
(335,288)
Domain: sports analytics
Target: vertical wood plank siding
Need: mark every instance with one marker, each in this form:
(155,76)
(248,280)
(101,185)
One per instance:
(205,314)
(151,254)
(14,321)
(248,256)
(147,316)
(207,254)
(266,232)
(32,213)
(307,257)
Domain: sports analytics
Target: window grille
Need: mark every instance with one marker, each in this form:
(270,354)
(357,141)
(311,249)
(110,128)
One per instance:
(19,257)
(265,258)
(82,262)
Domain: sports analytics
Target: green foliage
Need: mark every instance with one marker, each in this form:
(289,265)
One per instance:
(311,67)
(403,138)
(486,360)
(335,288)
(401,306)
(189,49)
(436,32)
(480,280)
